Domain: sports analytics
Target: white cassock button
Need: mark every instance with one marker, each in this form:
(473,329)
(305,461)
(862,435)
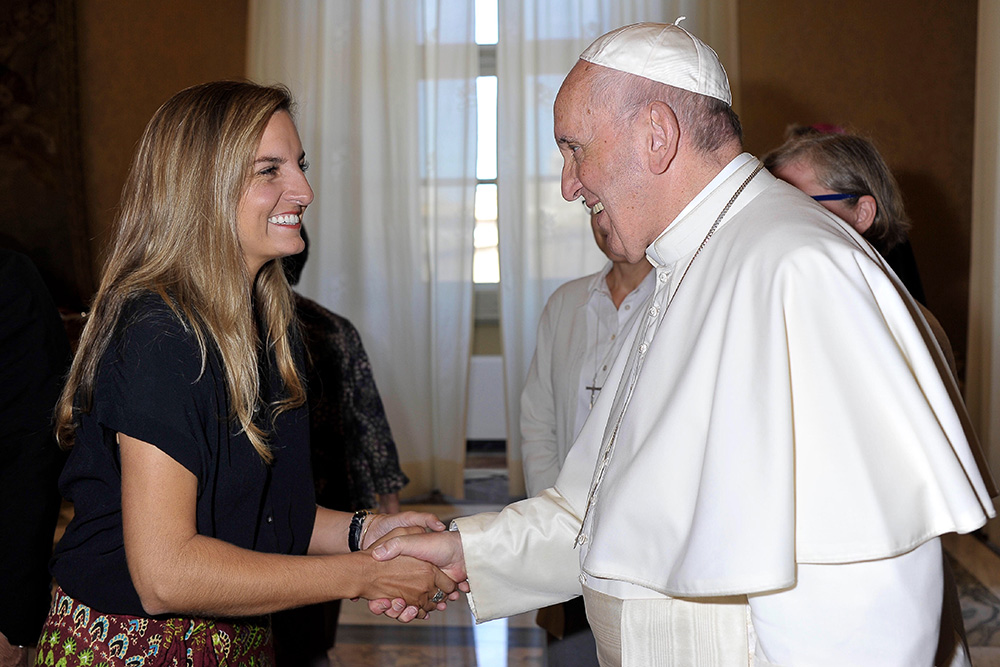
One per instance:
(663,277)
(642,348)
(628,307)
(583,579)
(653,311)
(583,539)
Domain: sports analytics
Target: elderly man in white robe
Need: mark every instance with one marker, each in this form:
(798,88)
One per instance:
(768,481)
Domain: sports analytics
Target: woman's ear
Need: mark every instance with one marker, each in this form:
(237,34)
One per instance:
(864,213)
(664,135)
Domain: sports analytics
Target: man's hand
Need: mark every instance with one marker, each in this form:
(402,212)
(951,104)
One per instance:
(443,549)
(378,525)
(11,655)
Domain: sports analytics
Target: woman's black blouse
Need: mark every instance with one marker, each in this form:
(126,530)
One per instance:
(151,386)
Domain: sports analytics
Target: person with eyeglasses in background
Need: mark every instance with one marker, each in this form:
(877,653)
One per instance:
(846,174)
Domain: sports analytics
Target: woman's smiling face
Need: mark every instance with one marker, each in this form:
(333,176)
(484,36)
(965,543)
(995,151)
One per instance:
(269,216)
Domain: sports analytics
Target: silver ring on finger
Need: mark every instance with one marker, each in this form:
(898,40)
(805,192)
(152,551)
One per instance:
(440,595)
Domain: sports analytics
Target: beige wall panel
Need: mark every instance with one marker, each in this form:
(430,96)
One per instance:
(901,73)
(133,56)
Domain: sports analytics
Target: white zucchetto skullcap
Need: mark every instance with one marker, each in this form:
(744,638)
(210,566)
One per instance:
(662,52)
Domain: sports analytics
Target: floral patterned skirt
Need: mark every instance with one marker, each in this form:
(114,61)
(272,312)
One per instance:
(76,635)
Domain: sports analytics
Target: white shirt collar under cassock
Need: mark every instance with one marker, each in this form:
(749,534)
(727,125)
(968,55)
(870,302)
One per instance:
(661,251)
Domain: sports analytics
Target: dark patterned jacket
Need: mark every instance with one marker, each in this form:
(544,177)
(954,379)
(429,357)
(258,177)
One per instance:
(353,453)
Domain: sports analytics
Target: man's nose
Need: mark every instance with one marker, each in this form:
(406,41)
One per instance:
(570,183)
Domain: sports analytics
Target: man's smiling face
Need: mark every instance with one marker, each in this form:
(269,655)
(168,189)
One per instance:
(602,164)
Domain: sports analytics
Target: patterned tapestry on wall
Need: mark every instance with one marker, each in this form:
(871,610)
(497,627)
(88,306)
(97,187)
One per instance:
(41,179)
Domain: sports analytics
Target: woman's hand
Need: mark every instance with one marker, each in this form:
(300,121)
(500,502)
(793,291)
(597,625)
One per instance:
(12,655)
(410,583)
(378,525)
(442,549)
(388,503)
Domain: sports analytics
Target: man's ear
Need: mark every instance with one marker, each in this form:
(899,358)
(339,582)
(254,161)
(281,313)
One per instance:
(664,136)
(864,213)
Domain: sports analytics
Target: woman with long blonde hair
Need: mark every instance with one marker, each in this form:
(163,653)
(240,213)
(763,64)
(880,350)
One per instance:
(184,412)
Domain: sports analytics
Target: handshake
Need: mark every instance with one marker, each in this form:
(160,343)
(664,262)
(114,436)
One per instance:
(417,559)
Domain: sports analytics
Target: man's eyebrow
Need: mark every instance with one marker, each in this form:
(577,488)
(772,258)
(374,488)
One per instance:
(564,140)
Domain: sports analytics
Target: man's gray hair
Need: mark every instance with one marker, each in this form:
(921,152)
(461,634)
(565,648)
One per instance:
(849,164)
(707,122)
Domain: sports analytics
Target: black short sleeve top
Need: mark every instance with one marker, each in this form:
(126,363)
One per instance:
(151,385)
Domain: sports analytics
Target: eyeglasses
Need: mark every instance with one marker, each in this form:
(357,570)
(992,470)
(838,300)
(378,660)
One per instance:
(836,197)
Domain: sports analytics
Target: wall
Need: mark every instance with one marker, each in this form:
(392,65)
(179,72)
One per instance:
(983,377)
(901,73)
(132,57)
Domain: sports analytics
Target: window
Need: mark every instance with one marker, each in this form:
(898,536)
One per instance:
(486,258)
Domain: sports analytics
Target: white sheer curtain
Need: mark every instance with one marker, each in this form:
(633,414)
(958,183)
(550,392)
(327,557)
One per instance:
(387,116)
(544,240)
(982,380)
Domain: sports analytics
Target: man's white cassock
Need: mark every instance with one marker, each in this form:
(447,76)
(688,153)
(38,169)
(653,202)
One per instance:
(786,411)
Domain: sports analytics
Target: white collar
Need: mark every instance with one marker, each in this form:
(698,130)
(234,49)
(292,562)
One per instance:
(660,253)
(599,282)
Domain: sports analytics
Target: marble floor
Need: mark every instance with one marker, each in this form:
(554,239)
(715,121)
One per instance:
(977,574)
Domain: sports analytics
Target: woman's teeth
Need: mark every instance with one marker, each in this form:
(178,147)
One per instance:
(286,219)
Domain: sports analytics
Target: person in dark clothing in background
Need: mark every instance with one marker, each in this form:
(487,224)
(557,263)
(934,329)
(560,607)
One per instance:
(856,186)
(34,354)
